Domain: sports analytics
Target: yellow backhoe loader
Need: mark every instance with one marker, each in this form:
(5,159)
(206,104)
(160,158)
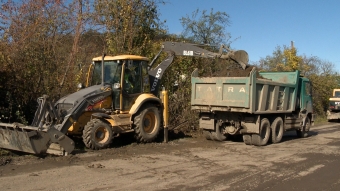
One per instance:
(119,96)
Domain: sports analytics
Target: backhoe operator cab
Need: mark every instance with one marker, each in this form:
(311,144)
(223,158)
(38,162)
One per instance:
(128,75)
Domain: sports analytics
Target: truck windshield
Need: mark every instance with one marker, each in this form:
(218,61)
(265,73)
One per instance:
(112,72)
(337,94)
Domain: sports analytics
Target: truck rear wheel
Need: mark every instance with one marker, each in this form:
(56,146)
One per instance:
(277,130)
(97,134)
(147,124)
(262,138)
(303,132)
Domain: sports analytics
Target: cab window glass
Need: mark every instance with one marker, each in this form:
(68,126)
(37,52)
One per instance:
(112,72)
(337,93)
(145,77)
(132,77)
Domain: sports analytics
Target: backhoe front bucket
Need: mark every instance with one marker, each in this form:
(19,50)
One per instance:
(29,139)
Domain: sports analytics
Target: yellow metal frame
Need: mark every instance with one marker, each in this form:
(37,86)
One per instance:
(165,99)
(334,98)
(335,90)
(121,57)
(142,99)
(77,125)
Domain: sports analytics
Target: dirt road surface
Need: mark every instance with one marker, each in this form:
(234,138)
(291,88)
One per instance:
(186,163)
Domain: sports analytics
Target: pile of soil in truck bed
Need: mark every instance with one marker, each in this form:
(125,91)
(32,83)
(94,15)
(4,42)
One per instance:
(228,68)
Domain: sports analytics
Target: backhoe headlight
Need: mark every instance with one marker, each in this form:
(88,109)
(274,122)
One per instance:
(80,86)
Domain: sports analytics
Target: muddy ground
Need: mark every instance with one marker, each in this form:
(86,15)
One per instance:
(186,162)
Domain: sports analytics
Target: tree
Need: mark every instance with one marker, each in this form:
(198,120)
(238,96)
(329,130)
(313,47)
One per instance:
(44,43)
(283,60)
(130,25)
(38,41)
(324,79)
(208,28)
(320,72)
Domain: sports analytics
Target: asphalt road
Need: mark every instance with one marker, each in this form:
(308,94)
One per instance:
(188,164)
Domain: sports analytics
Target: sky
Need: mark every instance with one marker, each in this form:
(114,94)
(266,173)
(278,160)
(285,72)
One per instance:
(259,26)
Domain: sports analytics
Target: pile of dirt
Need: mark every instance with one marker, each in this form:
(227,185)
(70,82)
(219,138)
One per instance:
(229,68)
(5,160)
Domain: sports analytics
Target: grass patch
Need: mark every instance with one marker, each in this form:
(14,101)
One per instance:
(319,120)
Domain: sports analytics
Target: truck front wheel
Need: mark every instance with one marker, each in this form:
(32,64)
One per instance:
(97,134)
(207,134)
(219,133)
(147,124)
(277,130)
(262,138)
(303,132)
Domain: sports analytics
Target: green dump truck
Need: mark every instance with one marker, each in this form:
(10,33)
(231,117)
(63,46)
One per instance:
(260,106)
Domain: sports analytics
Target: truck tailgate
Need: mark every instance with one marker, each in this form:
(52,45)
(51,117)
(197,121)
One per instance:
(225,91)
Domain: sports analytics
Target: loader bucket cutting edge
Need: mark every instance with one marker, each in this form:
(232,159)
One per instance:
(25,139)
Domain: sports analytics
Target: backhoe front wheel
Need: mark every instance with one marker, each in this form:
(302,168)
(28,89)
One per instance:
(147,123)
(97,134)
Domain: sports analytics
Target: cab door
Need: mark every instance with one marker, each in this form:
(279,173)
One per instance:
(132,83)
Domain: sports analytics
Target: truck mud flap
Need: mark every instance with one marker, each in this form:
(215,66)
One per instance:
(29,139)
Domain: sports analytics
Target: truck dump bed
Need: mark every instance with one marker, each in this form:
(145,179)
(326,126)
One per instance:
(264,92)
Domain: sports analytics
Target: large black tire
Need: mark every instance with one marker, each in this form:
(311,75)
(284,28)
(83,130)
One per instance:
(218,134)
(277,130)
(147,124)
(246,139)
(207,134)
(262,138)
(97,134)
(303,132)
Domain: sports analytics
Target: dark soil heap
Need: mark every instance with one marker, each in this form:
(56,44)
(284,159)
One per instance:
(228,68)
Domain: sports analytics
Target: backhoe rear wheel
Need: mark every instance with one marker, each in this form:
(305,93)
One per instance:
(147,123)
(97,134)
